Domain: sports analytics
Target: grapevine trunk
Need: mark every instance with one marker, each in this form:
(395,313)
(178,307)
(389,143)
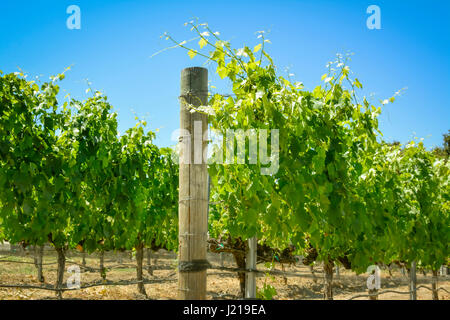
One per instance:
(239,257)
(139,262)
(102,265)
(61,266)
(328,277)
(434,285)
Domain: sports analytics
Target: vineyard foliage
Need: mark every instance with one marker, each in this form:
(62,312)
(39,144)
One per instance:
(339,190)
(68,178)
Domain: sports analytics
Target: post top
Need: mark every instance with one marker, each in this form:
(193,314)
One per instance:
(194,80)
(194,69)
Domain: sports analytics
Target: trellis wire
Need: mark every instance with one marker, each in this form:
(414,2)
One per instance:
(89,285)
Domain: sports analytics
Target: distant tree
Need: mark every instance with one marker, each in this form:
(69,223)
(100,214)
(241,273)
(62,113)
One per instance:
(443,152)
(394,143)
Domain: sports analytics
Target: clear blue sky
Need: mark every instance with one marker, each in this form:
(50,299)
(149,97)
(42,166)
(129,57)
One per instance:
(117,38)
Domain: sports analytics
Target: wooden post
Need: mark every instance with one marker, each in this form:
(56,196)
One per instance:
(250,264)
(193,186)
(337,272)
(413,281)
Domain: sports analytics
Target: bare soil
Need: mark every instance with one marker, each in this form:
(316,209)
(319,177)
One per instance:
(300,283)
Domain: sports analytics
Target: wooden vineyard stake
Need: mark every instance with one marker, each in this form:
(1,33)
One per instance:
(193,186)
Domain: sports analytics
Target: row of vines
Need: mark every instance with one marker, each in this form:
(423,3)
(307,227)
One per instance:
(341,194)
(69,179)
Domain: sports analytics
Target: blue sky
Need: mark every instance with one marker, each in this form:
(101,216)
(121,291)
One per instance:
(117,38)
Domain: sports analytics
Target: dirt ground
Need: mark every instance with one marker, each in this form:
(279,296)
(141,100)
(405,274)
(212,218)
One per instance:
(300,283)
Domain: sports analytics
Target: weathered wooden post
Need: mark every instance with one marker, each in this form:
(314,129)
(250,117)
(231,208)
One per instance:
(193,187)
(250,264)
